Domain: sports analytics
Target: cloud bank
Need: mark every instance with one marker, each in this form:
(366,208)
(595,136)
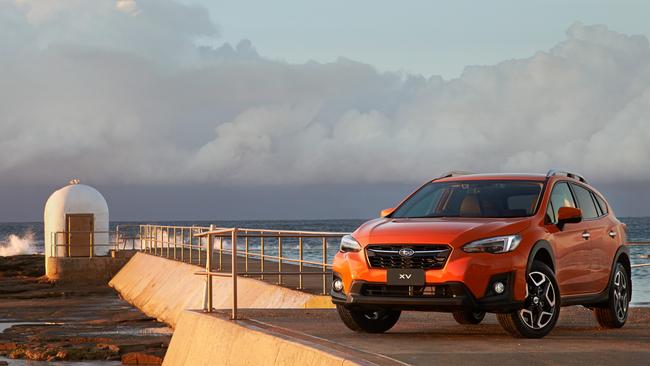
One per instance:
(123,92)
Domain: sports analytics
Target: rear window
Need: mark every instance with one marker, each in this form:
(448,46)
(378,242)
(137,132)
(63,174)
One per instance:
(498,199)
(585,202)
(601,203)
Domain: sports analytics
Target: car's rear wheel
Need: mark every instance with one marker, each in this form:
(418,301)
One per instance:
(469,316)
(613,313)
(370,321)
(541,307)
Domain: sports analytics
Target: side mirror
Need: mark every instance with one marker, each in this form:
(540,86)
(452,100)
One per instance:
(386,212)
(568,215)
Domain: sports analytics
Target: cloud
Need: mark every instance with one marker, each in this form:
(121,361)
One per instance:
(91,91)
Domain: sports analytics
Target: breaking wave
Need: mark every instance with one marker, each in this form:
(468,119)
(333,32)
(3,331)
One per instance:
(16,245)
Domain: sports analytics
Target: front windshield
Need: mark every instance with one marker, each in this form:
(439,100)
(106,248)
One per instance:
(479,198)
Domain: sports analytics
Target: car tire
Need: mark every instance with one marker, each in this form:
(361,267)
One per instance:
(369,321)
(541,307)
(469,316)
(613,313)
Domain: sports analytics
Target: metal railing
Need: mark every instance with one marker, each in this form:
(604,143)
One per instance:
(63,239)
(261,252)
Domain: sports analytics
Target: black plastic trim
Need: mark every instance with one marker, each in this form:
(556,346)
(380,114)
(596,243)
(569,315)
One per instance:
(540,244)
(461,300)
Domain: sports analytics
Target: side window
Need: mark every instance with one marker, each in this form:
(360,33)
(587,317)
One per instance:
(585,202)
(560,197)
(601,203)
(550,214)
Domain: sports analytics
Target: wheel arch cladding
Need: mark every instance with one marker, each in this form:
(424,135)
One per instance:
(542,252)
(623,257)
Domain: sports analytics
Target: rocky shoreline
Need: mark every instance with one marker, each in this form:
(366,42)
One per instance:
(46,321)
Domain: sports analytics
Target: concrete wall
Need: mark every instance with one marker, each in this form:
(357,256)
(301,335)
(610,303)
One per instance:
(206,339)
(83,270)
(163,288)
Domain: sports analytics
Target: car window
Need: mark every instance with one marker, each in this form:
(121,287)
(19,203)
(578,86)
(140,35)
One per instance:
(585,202)
(601,203)
(489,198)
(561,197)
(550,214)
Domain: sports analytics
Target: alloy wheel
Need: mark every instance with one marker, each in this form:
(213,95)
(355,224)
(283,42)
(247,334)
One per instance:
(539,307)
(621,302)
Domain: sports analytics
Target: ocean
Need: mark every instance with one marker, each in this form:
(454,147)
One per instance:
(27,237)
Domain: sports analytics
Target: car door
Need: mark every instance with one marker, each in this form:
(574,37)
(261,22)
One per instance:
(595,237)
(571,249)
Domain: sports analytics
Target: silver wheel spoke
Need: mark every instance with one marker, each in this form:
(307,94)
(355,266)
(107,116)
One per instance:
(539,308)
(620,295)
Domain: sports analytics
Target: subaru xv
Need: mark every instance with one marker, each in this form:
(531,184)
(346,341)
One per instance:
(518,245)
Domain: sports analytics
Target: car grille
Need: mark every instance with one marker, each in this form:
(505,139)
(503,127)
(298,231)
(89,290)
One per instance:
(423,256)
(440,291)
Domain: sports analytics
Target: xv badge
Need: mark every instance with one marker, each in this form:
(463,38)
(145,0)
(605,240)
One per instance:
(404,276)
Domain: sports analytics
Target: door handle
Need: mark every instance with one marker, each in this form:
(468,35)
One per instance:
(586,235)
(612,233)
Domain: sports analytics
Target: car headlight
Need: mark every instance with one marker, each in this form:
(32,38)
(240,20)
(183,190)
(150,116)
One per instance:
(349,244)
(499,244)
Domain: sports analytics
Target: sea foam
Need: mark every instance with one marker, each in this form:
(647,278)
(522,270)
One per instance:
(15,245)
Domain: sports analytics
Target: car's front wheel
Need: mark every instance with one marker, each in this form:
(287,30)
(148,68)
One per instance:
(370,321)
(541,307)
(613,313)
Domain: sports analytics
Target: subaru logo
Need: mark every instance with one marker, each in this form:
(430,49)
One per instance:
(406,252)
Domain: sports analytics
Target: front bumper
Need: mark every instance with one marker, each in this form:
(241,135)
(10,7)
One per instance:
(446,297)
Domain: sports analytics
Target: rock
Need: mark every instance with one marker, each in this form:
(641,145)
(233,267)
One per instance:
(140,358)
(111,347)
(35,355)
(4,363)
(17,353)
(10,346)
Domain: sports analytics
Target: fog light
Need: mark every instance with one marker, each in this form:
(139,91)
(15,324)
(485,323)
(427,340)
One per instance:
(499,287)
(337,285)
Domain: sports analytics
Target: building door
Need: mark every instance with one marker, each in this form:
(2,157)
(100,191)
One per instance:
(80,234)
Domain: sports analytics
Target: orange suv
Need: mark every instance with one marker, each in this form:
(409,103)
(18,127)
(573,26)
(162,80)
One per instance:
(518,245)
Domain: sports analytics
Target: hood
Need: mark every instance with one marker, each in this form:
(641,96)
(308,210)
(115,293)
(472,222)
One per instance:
(453,231)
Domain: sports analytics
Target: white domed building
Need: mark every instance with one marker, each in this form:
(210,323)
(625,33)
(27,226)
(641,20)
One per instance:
(76,222)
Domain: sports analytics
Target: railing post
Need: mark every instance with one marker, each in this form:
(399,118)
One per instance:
(200,244)
(191,249)
(262,256)
(220,252)
(208,270)
(246,253)
(234,274)
(279,259)
(182,244)
(166,240)
(300,263)
(324,265)
(92,237)
(175,249)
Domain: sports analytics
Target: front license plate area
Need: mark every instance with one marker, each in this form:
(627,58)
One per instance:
(406,277)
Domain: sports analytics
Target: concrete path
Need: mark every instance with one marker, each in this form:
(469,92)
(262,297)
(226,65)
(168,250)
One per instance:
(435,338)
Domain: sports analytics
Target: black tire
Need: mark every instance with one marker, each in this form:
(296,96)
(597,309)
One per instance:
(613,313)
(541,308)
(368,321)
(469,316)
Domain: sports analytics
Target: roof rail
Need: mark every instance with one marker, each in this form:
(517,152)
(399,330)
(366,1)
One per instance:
(577,176)
(453,173)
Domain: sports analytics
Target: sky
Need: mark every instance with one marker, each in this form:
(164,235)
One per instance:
(261,110)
